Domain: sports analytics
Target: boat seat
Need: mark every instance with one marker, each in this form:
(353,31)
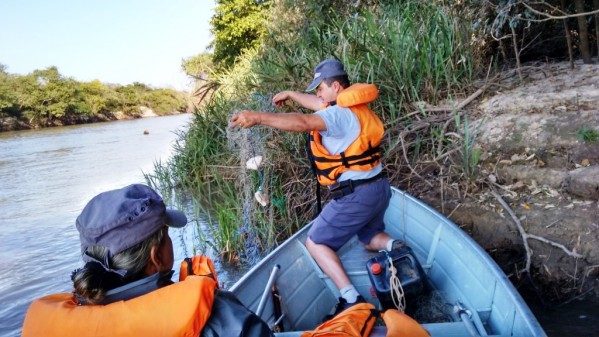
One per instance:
(289,334)
(435,329)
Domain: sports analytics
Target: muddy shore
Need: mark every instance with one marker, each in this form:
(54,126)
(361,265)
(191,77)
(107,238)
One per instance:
(535,158)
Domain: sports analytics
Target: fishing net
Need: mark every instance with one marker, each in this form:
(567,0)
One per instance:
(252,183)
(431,308)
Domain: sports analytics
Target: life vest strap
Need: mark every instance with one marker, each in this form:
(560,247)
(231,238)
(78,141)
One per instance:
(327,172)
(371,152)
(346,187)
(344,160)
(354,182)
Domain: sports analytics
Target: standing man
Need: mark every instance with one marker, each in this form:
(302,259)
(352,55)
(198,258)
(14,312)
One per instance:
(344,141)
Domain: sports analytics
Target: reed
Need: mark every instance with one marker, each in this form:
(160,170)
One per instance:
(414,51)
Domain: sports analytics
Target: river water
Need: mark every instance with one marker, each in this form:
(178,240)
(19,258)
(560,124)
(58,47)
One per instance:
(47,176)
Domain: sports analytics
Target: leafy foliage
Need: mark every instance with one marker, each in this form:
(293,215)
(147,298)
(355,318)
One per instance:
(164,101)
(588,134)
(237,25)
(46,98)
(199,67)
(7,96)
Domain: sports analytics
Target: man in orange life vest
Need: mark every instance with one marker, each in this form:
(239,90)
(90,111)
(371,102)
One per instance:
(125,287)
(344,141)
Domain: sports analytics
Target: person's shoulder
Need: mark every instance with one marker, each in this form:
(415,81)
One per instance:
(335,109)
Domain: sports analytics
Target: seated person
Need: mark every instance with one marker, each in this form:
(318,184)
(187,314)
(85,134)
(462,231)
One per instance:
(125,287)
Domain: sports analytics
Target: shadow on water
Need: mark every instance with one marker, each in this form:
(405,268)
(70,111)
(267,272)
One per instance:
(579,317)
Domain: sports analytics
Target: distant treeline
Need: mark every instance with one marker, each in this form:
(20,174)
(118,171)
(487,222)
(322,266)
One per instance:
(46,98)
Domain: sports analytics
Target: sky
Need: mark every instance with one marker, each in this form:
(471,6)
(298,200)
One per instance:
(113,41)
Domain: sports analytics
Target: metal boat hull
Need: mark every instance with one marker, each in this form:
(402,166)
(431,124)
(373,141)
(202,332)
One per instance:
(455,265)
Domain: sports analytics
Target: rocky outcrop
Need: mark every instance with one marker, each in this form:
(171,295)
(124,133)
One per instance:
(535,155)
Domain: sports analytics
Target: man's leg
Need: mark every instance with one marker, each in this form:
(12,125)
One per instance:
(329,262)
(339,220)
(378,242)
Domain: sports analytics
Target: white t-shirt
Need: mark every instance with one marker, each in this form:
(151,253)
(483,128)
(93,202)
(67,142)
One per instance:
(343,128)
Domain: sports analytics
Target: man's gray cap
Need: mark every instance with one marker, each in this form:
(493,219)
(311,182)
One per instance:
(326,69)
(120,219)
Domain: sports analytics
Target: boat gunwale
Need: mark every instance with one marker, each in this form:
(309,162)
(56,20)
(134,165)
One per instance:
(499,275)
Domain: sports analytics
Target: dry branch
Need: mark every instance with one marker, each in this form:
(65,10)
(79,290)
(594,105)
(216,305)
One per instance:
(552,17)
(525,236)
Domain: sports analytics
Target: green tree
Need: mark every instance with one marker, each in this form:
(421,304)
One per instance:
(237,25)
(164,101)
(97,98)
(45,95)
(199,67)
(7,96)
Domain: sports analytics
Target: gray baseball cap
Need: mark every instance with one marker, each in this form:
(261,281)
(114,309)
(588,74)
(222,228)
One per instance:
(120,219)
(326,69)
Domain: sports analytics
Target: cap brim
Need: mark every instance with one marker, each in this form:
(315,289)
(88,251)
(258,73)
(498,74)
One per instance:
(314,84)
(175,218)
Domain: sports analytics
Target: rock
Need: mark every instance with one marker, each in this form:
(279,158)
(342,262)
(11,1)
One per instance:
(584,182)
(119,115)
(147,112)
(542,176)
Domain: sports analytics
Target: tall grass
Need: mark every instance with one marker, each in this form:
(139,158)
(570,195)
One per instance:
(412,50)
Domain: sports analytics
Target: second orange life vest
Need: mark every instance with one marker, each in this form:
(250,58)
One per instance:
(180,309)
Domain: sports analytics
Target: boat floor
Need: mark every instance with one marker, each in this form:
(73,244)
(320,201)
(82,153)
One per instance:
(354,257)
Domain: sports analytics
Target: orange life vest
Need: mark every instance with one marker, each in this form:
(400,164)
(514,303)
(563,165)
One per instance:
(358,321)
(180,309)
(364,153)
(355,321)
(401,325)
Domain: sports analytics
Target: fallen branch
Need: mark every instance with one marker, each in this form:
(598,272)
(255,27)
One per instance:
(460,106)
(552,17)
(555,244)
(525,236)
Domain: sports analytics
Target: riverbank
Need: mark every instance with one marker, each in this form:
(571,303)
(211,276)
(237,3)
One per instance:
(533,201)
(15,124)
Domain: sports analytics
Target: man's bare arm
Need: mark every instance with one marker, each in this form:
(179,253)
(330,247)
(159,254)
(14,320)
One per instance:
(308,101)
(296,122)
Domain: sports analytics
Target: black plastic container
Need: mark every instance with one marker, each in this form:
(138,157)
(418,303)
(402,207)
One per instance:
(410,274)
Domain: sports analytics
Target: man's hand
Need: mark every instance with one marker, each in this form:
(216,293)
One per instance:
(245,119)
(308,101)
(295,122)
(280,99)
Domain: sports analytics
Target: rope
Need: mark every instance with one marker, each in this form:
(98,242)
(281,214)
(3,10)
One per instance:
(397,293)
(403,213)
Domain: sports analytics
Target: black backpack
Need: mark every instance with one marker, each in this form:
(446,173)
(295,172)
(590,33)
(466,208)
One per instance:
(230,318)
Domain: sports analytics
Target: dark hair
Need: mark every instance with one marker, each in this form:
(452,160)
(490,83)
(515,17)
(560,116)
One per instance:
(342,79)
(93,280)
